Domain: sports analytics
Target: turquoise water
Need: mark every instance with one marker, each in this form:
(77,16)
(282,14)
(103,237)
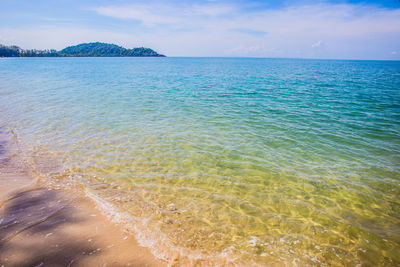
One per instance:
(247,161)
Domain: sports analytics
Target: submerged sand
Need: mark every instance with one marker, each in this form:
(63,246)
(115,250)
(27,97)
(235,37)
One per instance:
(42,226)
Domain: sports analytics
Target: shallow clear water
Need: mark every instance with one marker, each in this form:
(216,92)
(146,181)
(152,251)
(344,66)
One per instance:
(263,161)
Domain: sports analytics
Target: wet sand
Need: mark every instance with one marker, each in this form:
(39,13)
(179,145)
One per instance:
(42,226)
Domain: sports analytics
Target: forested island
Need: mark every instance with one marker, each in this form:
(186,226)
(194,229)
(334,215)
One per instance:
(81,50)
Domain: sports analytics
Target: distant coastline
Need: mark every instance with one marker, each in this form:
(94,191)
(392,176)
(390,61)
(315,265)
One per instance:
(95,49)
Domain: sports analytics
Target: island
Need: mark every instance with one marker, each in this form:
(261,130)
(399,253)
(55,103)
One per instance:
(95,49)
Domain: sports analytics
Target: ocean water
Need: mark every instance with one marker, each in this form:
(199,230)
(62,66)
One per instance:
(222,160)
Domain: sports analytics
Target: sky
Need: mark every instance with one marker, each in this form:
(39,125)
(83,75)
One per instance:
(341,29)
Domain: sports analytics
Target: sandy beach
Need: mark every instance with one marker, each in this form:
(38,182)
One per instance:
(40,226)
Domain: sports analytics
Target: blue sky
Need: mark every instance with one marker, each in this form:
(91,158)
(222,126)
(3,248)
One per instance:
(238,28)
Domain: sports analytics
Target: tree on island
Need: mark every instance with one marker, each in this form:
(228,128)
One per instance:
(82,50)
(9,51)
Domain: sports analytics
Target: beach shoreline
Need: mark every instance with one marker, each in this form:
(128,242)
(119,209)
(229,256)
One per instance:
(44,226)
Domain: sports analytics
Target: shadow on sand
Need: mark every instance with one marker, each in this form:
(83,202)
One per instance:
(29,219)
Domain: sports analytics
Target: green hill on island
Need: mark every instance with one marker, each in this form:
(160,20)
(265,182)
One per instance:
(81,50)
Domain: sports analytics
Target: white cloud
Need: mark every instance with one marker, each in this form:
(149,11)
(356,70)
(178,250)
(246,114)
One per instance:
(317,44)
(211,10)
(248,50)
(150,14)
(144,13)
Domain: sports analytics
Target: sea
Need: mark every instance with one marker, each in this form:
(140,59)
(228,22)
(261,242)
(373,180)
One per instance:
(222,161)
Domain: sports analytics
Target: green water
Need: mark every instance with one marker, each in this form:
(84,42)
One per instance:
(242,161)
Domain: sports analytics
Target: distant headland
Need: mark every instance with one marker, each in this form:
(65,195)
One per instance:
(96,49)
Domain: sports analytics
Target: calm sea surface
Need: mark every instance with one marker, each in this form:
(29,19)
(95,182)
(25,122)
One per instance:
(249,161)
